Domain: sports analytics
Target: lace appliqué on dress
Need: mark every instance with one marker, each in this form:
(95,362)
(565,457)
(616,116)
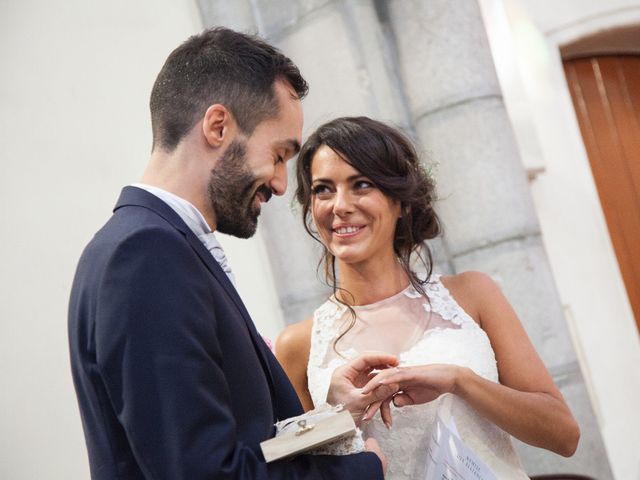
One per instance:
(442,333)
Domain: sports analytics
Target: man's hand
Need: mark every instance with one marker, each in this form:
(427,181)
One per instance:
(371,445)
(347,382)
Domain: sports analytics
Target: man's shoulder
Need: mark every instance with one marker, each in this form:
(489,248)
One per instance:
(131,232)
(132,224)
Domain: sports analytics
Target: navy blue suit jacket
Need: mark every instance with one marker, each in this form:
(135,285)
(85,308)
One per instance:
(173,381)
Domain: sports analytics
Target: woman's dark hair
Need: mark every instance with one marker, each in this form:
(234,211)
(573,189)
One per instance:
(218,66)
(388,159)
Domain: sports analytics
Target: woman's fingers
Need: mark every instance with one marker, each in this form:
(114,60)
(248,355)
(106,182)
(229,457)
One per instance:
(402,400)
(424,383)
(347,380)
(385,412)
(381,392)
(363,364)
(371,410)
(387,377)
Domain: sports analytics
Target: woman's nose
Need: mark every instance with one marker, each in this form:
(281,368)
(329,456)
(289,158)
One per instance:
(343,202)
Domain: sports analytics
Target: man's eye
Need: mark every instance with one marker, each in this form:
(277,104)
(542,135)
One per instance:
(279,159)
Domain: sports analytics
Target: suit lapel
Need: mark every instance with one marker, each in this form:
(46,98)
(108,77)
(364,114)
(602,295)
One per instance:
(226,284)
(139,197)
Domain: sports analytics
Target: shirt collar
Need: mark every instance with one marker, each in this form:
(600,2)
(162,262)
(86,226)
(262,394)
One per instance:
(185,209)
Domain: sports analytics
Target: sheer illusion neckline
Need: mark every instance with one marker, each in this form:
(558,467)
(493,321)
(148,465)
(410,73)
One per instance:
(419,331)
(407,291)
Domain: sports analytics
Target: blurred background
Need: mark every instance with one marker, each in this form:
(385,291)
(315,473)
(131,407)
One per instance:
(528,112)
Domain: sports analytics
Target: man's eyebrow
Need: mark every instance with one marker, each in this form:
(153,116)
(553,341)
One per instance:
(291,144)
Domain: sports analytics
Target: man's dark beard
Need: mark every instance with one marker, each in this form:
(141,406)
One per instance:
(231,193)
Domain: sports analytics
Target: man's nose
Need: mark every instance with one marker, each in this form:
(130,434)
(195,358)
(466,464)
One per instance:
(278,183)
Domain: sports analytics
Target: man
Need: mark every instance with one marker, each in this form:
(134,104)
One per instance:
(172,379)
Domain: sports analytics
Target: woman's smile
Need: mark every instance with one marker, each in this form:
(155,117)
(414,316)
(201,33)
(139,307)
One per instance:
(347,230)
(355,220)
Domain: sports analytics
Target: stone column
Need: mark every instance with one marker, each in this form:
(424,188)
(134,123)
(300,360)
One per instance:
(490,223)
(237,15)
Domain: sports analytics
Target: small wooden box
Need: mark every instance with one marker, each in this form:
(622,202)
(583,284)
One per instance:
(309,434)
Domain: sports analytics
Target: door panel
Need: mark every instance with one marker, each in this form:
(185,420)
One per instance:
(606,95)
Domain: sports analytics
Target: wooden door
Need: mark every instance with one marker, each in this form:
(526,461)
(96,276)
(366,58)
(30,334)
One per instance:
(606,96)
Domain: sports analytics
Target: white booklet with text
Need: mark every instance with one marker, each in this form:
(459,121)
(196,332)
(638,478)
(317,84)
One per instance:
(448,457)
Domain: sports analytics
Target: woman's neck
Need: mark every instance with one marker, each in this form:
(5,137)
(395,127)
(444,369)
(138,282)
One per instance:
(372,281)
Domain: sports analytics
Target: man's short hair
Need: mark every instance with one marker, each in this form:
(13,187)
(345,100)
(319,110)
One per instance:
(218,66)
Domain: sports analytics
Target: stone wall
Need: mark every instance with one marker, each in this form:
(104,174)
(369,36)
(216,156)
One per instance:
(426,67)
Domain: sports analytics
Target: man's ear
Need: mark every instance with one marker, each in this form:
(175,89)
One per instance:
(218,125)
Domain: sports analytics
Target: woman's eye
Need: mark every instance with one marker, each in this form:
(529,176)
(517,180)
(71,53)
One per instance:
(362,184)
(320,189)
(279,159)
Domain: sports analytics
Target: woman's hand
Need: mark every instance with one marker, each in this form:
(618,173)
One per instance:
(417,384)
(516,412)
(347,382)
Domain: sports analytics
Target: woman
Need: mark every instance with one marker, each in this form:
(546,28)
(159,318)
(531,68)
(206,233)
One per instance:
(365,197)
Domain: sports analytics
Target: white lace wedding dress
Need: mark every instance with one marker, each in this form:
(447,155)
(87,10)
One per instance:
(418,332)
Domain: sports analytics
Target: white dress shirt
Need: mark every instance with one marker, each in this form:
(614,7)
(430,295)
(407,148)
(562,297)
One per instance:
(195,221)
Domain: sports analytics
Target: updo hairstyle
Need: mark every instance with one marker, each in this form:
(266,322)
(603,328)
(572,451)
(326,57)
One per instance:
(386,157)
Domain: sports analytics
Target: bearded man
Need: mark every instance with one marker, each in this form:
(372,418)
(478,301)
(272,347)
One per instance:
(173,381)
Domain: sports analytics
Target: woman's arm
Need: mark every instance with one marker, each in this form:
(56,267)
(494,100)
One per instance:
(526,403)
(292,351)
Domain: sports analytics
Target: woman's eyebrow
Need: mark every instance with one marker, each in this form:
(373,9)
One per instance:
(321,180)
(350,178)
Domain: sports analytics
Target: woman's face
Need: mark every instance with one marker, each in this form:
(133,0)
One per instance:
(355,220)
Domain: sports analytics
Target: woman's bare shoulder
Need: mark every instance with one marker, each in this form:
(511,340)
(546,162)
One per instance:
(469,280)
(294,339)
(471,289)
(292,351)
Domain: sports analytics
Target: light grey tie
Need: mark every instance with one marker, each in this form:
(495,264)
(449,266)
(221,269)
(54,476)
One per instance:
(211,243)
